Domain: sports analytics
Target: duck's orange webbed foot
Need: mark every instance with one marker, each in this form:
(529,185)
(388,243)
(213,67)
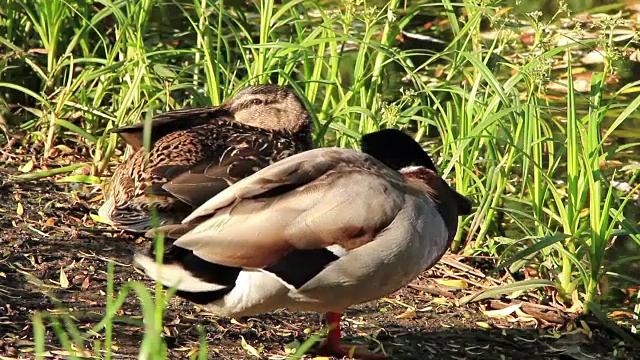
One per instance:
(331,346)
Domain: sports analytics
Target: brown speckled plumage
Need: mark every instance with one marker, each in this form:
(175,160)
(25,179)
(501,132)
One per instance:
(196,153)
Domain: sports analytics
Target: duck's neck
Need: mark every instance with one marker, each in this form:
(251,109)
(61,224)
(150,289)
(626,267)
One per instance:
(433,186)
(303,136)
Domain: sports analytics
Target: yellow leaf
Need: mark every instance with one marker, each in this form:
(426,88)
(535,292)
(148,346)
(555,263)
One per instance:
(524,316)
(586,327)
(461,284)
(64,353)
(440,300)
(292,347)
(502,312)
(65,149)
(484,325)
(410,313)
(26,167)
(250,349)
(96,198)
(64,281)
(20,209)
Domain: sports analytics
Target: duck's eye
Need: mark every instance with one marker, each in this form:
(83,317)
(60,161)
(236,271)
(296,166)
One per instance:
(256,102)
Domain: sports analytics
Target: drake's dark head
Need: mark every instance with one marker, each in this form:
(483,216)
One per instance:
(271,107)
(396,149)
(402,153)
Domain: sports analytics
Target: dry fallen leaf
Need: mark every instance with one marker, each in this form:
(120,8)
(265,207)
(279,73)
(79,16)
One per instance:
(410,313)
(484,325)
(86,282)
(440,300)
(65,149)
(250,349)
(96,198)
(460,284)
(192,352)
(39,51)
(523,315)
(236,322)
(292,347)
(501,313)
(26,167)
(64,281)
(620,314)
(68,354)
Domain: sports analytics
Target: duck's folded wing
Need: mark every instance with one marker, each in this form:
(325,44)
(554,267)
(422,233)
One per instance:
(295,233)
(196,184)
(289,173)
(169,122)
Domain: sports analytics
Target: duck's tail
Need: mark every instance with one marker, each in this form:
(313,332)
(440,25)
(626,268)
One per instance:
(127,217)
(194,278)
(105,211)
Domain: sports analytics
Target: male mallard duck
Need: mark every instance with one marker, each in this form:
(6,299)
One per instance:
(318,231)
(195,153)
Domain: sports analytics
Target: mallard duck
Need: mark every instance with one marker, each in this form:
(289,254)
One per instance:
(319,231)
(195,153)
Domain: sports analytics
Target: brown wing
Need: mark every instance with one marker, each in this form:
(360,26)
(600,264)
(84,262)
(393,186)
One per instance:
(199,183)
(188,167)
(169,122)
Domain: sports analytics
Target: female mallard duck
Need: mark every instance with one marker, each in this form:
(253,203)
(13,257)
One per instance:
(320,231)
(195,153)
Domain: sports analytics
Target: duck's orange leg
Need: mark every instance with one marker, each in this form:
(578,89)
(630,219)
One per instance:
(331,346)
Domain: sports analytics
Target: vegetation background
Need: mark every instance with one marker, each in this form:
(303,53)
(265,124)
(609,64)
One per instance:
(529,108)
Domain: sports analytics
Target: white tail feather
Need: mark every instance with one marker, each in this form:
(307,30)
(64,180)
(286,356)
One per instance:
(106,209)
(173,275)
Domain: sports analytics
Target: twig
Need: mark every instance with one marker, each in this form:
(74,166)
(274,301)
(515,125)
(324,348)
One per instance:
(432,291)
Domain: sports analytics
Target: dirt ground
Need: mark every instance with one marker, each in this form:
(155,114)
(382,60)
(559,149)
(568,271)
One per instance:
(45,227)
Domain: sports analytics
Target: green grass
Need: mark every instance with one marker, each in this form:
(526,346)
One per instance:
(534,168)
